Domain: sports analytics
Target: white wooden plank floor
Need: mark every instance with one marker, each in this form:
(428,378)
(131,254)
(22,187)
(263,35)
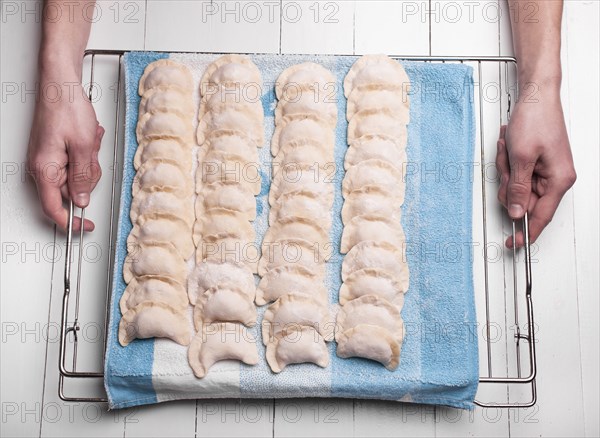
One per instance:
(565,272)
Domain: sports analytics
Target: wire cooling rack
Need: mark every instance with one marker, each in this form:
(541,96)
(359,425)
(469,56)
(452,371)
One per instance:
(503,287)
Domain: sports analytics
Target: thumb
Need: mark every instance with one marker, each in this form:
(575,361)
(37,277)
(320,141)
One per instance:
(84,169)
(519,186)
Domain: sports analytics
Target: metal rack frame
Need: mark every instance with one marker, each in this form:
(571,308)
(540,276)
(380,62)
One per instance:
(71,329)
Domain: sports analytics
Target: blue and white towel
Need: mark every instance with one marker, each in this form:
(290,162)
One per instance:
(439,362)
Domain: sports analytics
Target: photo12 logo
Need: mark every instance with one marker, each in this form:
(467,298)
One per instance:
(270,12)
(128,12)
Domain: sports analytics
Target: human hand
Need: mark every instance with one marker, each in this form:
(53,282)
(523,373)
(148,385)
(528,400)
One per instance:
(63,149)
(534,162)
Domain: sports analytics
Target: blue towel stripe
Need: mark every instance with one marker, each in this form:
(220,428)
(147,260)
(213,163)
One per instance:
(128,371)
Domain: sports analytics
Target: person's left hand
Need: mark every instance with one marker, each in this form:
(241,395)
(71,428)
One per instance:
(534,162)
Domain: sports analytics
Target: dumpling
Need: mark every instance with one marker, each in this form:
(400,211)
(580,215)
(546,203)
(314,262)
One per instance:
(371,200)
(297,252)
(163,227)
(157,202)
(220,166)
(302,203)
(153,258)
(304,76)
(220,221)
(290,279)
(297,345)
(306,101)
(377,147)
(171,149)
(164,176)
(221,341)
(373,281)
(377,122)
(370,342)
(229,247)
(230,70)
(154,288)
(230,195)
(163,125)
(212,273)
(295,153)
(170,99)
(236,117)
(375,173)
(217,156)
(219,96)
(294,227)
(296,311)
(230,142)
(154,320)
(372,98)
(301,127)
(372,228)
(165,73)
(376,255)
(303,177)
(224,303)
(376,70)
(372,310)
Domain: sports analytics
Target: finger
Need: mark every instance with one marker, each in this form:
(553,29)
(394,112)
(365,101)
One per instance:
(84,172)
(52,203)
(519,238)
(502,134)
(542,208)
(97,144)
(543,212)
(503,169)
(509,241)
(518,191)
(89,225)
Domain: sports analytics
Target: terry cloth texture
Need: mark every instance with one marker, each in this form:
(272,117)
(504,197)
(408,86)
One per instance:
(439,361)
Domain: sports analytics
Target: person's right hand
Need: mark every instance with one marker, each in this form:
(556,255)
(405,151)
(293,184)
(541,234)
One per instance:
(63,148)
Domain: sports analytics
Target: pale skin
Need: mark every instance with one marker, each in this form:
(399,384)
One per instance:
(65,135)
(534,156)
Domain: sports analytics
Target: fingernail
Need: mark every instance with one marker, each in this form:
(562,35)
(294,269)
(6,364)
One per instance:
(516,211)
(82,199)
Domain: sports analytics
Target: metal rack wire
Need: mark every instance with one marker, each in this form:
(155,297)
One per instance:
(521,296)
